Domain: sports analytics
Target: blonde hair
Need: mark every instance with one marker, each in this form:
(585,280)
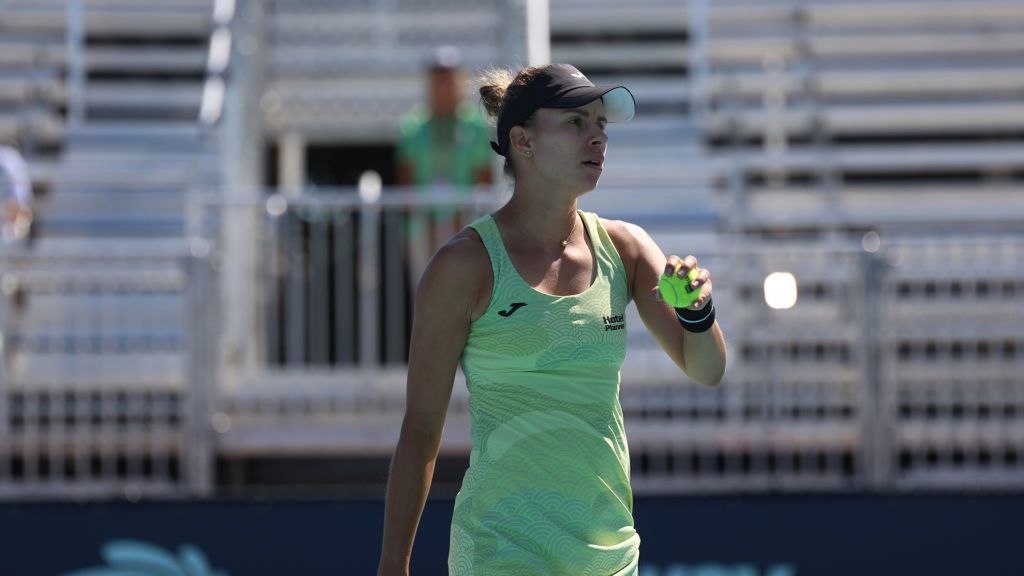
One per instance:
(497,85)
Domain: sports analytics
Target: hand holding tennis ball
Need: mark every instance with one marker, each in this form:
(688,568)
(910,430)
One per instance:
(684,289)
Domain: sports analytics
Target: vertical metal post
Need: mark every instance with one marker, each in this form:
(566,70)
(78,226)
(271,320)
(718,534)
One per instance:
(538,32)
(30,435)
(776,128)
(876,450)
(318,279)
(698,24)
(6,451)
(292,161)
(738,218)
(200,337)
(270,278)
(369,283)
(395,272)
(81,451)
(292,155)
(345,297)
(241,155)
(511,35)
(296,276)
(828,180)
(385,29)
(75,45)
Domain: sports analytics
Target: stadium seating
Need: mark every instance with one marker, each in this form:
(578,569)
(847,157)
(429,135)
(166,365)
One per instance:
(834,118)
(800,408)
(840,97)
(96,362)
(346,72)
(872,149)
(659,154)
(954,380)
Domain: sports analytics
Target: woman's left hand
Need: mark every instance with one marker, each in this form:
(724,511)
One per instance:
(681,267)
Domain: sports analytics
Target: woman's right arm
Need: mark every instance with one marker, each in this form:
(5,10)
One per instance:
(445,300)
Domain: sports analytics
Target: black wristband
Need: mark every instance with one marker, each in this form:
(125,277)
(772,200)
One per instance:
(697,320)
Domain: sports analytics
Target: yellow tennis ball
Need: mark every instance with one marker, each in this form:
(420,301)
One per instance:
(677,291)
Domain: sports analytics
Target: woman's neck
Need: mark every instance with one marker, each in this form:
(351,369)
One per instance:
(541,223)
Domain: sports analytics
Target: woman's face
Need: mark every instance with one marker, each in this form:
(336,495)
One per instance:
(569,145)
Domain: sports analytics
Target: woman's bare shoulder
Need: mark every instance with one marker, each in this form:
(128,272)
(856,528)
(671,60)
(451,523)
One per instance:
(460,270)
(627,237)
(464,253)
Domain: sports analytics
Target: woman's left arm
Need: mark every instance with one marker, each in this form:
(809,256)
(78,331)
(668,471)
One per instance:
(701,355)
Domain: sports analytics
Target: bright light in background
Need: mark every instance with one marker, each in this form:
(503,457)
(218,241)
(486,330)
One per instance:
(276,205)
(370,185)
(780,290)
(871,242)
(221,422)
(200,247)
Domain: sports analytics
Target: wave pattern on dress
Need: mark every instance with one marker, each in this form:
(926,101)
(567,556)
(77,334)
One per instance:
(548,489)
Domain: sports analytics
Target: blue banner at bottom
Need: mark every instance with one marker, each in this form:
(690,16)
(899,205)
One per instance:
(765,535)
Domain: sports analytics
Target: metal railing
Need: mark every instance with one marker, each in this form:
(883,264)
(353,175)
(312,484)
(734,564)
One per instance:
(816,396)
(899,366)
(335,269)
(105,375)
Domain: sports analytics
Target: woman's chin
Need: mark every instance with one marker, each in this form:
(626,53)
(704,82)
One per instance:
(585,187)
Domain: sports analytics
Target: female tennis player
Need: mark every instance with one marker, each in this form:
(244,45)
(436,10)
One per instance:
(532,300)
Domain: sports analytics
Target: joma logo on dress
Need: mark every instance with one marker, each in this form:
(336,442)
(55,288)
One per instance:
(614,322)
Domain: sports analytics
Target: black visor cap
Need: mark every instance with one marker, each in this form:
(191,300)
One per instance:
(561,86)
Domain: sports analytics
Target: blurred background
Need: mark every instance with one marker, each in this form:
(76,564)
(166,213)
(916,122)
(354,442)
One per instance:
(216,212)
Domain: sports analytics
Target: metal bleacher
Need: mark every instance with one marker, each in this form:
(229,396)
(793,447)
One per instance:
(825,109)
(347,71)
(99,367)
(893,132)
(135,145)
(951,356)
(874,150)
(657,156)
(31,58)
(818,397)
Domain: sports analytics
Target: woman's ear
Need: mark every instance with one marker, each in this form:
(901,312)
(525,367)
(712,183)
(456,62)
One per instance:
(520,141)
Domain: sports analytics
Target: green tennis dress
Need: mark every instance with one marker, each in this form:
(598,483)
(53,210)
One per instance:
(547,490)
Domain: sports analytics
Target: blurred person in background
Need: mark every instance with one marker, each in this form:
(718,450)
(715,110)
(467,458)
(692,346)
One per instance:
(15,194)
(531,300)
(442,147)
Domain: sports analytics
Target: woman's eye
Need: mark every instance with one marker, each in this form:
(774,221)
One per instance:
(577,121)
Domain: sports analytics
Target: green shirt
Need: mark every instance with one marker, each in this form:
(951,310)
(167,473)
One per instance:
(445,151)
(547,490)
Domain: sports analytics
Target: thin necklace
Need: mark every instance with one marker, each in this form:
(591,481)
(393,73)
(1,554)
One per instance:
(565,242)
